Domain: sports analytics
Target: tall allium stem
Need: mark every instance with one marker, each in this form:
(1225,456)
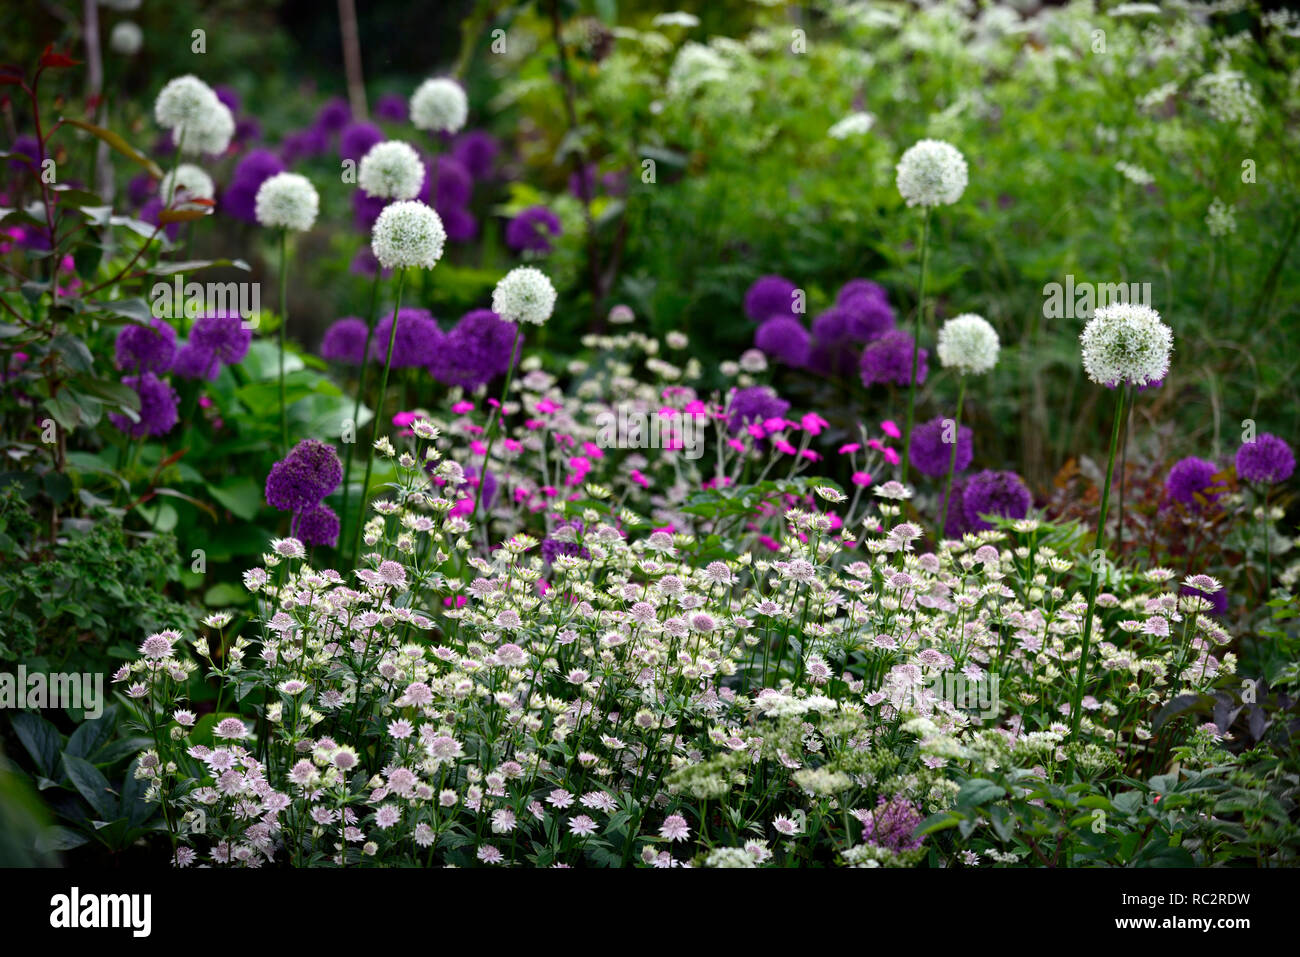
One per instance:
(952,456)
(1268,549)
(379,414)
(361,391)
(916,340)
(1082,676)
(493,424)
(284,321)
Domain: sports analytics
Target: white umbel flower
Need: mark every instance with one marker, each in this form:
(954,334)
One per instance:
(287,201)
(391,170)
(524,295)
(1126,343)
(126,39)
(439,105)
(968,344)
(1220,218)
(408,233)
(932,173)
(213,135)
(184,105)
(855,124)
(190,183)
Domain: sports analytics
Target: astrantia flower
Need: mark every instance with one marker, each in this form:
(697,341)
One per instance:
(931,173)
(345,341)
(1268,460)
(150,348)
(968,344)
(304,477)
(784,338)
(1190,481)
(318,525)
(770,296)
(930,453)
(532,230)
(187,182)
(158,402)
(994,493)
(408,233)
(889,360)
(524,295)
(1126,343)
(674,828)
(287,201)
(391,170)
(439,105)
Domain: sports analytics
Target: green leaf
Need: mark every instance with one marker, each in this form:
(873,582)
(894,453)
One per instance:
(91,735)
(41,739)
(91,785)
(117,143)
(242,496)
(978,791)
(194,265)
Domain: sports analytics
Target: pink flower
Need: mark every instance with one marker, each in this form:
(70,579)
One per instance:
(736,444)
(771,544)
(813,423)
(810,455)
(546,406)
(593,450)
(463,406)
(756,430)
(775,425)
(455,601)
(636,476)
(404,418)
(512,445)
(850,448)
(891,457)
(462,507)
(861,478)
(478,448)
(532,425)
(781,445)
(890,429)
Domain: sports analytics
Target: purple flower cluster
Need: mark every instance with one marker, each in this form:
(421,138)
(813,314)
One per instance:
(993,493)
(357,138)
(891,824)
(755,404)
(158,402)
(317,525)
(889,360)
(417,341)
(930,454)
(532,230)
(216,340)
(783,338)
(448,188)
(301,480)
(240,198)
(770,296)
(475,351)
(1267,461)
(553,549)
(345,341)
(476,150)
(1190,482)
(150,348)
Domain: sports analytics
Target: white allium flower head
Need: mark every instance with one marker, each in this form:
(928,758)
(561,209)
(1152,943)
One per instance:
(524,295)
(1126,343)
(932,173)
(287,201)
(391,170)
(439,105)
(185,103)
(408,233)
(213,135)
(968,344)
(127,38)
(190,183)
(855,124)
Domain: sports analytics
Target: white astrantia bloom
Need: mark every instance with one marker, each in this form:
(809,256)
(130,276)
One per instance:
(408,233)
(855,124)
(1126,343)
(524,295)
(184,105)
(190,183)
(391,170)
(287,201)
(932,173)
(126,38)
(968,344)
(213,136)
(439,105)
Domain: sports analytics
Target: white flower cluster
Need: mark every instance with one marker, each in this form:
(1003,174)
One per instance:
(968,344)
(391,170)
(198,121)
(439,105)
(1220,218)
(126,38)
(1134,174)
(855,124)
(287,201)
(1126,343)
(932,173)
(524,295)
(1228,97)
(696,66)
(408,233)
(190,182)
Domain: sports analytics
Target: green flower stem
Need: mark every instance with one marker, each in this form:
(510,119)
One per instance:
(284,321)
(361,391)
(1082,676)
(916,340)
(374,428)
(492,426)
(952,458)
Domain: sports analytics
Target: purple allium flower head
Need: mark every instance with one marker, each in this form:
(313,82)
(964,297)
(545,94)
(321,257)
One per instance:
(333,115)
(1189,478)
(891,824)
(240,197)
(783,338)
(194,362)
(532,229)
(489,486)
(357,138)
(391,107)
(139,189)
(452,184)
(832,352)
(366,209)
(476,351)
(150,212)
(889,360)
(582,182)
(304,477)
(755,404)
(27,145)
(317,525)
(418,338)
(158,402)
(1268,460)
(150,348)
(770,296)
(858,287)
(304,144)
(930,454)
(227,95)
(553,549)
(364,262)
(247,130)
(868,316)
(345,341)
(1219,599)
(225,336)
(477,151)
(459,222)
(994,493)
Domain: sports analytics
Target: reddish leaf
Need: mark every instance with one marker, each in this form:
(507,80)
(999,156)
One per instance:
(52,58)
(7,79)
